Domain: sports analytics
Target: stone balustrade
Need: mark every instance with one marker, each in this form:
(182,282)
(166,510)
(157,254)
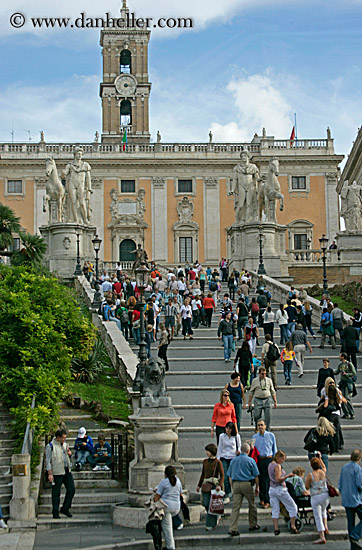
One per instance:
(262,147)
(315,256)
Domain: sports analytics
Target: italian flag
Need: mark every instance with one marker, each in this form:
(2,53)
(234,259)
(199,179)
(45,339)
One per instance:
(124,140)
(292,136)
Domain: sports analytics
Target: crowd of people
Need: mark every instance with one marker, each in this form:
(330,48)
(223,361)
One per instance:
(186,299)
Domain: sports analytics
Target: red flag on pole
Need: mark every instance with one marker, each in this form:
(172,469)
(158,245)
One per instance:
(292,136)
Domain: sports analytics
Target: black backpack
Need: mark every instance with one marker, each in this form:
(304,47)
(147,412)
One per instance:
(273,353)
(213,286)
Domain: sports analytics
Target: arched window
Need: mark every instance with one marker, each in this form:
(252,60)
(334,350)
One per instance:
(125,61)
(125,251)
(125,113)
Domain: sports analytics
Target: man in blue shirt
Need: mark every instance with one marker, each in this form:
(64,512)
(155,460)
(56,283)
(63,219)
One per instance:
(350,486)
(266,445)
(243,473)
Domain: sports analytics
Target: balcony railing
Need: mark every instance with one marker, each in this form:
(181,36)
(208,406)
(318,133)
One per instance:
(312,256)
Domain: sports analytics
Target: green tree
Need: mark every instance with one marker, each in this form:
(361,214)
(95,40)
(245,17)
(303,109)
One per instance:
(32,252)
(9,224)
(41,330)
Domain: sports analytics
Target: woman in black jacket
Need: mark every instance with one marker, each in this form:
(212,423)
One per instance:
(323,435)
(244,362)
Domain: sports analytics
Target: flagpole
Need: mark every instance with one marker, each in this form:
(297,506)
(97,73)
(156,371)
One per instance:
(295,126)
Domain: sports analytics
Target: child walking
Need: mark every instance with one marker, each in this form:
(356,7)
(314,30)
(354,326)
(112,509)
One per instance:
(287,357)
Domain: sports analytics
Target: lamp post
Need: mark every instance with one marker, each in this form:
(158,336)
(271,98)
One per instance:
(78,269)
(261,268)
(142,274)
(324,243)
(97,296)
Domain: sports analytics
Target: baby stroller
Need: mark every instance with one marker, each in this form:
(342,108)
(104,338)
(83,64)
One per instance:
(305,512)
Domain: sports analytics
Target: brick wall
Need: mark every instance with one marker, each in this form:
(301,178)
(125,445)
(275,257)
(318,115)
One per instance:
(314,275)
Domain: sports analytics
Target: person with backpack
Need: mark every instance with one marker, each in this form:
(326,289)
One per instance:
(300,343)
(122,315)
(214,287)
(346,384)
(242,313)
(269,355)
(254,309)
(58,466)
(287,356)
(262,302)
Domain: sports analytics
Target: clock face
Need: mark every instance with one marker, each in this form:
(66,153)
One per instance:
(125,84)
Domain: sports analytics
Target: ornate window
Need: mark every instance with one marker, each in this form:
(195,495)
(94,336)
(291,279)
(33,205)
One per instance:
(128,186)
(125,61)
(300,234)
(15,187)
(15,244)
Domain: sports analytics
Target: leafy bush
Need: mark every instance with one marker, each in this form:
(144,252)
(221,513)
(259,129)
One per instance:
(90,369)
(41,330)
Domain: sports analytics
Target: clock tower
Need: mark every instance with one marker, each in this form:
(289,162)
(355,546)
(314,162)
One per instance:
(125,89)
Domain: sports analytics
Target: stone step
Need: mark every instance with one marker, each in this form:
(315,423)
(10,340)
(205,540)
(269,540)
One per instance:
(6,450)
(93,485)
(6,488)
(99,497)
(221,358)
(6,435)
(226,372)
(45,521)
(94,507)
(5,460)
(205,429)
(290,458)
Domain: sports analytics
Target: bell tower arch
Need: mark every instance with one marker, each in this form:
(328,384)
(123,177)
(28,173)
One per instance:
(125,88)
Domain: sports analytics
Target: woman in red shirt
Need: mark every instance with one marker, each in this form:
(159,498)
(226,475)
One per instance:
(224,412)
(209,306)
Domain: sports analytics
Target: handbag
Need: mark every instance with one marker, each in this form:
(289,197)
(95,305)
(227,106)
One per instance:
(210,482)
(216,507)
(233,346)
(137,324)
(332,490)
(311,441)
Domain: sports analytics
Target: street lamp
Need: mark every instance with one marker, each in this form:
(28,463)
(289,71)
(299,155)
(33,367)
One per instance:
(324,243)
(142,274)
(78,269)
(97,296)
(261,268)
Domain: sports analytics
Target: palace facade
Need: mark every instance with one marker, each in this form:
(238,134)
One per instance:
(174,199)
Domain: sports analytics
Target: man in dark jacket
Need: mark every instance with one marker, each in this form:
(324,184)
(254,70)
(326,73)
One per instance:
(349,338)
(227,330)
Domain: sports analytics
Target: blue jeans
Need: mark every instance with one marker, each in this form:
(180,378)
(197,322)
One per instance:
(357,341)
(136,335)
(283,334)
(211,520)
(225,464)
(354,531)
(238,408)
(288,370)
(228,340)
(290,329)
(117,321)
(82,457)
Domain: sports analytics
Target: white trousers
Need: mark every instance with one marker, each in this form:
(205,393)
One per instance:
(299,355)
(252,345)
(278,495)
(319,506)
(167,528)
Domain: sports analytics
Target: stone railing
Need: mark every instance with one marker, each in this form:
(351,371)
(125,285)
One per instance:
(280,293)
(222,149)
(123,359)
(312,256)
(111,267)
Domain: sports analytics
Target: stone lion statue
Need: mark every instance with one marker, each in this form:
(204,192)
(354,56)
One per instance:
(154,383)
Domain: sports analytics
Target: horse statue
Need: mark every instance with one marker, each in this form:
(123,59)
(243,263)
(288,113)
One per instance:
(269,193)
(54,191)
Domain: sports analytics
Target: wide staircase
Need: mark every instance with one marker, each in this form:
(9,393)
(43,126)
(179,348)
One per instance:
(95,491)
(197,375)
(7,443)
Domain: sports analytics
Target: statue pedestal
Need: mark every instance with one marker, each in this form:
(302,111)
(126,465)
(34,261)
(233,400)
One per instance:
(243,247)
(61,239)
(349,244)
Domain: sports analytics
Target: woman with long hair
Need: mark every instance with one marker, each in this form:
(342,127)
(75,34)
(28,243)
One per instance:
(281,317)
(228,448)
(223,413)
(324,434)
(212,477)
(169,489)
(237,396)
(278,492)
(330,407)
(316,483)
(308,317)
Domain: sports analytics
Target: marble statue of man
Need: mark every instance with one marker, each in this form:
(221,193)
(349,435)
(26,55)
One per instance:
(351,205)
(78,189)
(245,180)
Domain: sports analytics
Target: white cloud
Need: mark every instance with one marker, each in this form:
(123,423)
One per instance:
(258,103)
(203,13)
(64,112)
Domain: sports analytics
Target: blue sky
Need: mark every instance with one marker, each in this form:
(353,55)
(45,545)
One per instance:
(245,65)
